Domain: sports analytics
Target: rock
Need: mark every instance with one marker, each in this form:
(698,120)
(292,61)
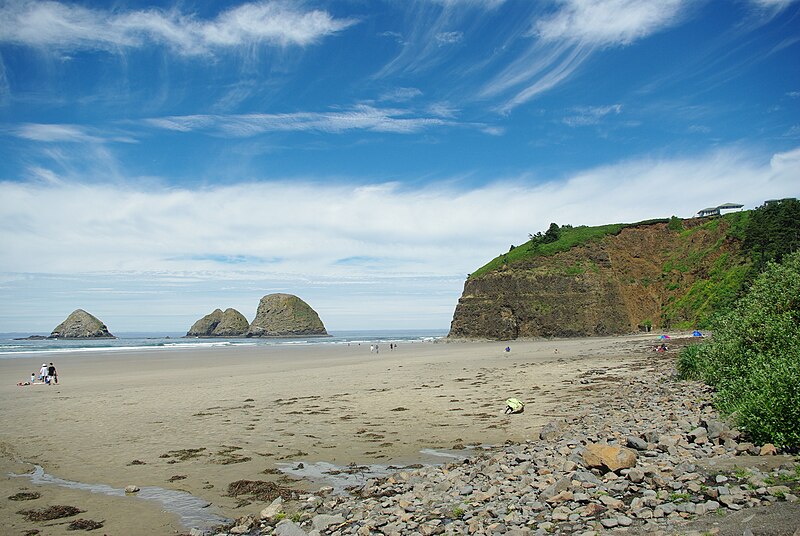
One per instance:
(611,457)
(323,521)
(288,528)
(550,431)
(81,325)
(131,489)
(636,475)
(285,315)
(230,323)
(274,508)
(636,443)
(768,449)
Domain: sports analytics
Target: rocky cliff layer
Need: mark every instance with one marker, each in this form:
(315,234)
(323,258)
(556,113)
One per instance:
(285,315)
(81,325)
(230,323)
(646,275)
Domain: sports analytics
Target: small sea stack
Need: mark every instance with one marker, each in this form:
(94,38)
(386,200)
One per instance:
(228,323)
(286,315)
(81,325)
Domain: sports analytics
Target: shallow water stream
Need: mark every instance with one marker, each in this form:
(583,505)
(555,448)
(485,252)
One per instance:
(193,511)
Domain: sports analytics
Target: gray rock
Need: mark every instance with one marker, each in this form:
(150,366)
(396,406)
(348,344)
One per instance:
(323,521)
(230,323)
(284,315)
(81,325)
(288,528)
(636,443)
(550,431)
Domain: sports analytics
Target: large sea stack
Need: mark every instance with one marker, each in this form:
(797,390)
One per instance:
(81,325)
(285,315)
(230,323)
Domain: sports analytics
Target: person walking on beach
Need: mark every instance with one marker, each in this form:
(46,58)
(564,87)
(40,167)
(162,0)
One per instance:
(43,373)
(51,371)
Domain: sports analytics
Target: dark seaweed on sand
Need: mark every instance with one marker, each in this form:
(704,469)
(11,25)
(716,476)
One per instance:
(260,490)
(85,524)
(51,512)
(25,496)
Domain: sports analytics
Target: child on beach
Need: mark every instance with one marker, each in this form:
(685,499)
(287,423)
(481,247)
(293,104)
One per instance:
(33,377)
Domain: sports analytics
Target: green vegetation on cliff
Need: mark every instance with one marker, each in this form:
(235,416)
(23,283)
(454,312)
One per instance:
(753,360)
(540,246)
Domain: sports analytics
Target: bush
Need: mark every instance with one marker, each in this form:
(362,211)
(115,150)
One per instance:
(753,359)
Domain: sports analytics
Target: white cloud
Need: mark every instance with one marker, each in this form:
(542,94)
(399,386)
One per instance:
(400,94)
(485,4)
(591,115)
(449,38)
(361,117)
(564,40)
(608,22)
(67,27)
(772,4)
(385,239)
(53,133)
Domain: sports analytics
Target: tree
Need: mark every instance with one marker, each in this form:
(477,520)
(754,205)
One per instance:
(773,231)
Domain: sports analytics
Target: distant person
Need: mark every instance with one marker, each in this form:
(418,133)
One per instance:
(508,348)
(33,377)
(43,372)
(51,372)
(371,348)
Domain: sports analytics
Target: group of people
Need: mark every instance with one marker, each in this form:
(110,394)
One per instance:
(47,375)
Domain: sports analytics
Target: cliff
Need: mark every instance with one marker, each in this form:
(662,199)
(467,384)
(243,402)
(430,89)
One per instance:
(607,280)
(81,325)
(285,315)
(230,323)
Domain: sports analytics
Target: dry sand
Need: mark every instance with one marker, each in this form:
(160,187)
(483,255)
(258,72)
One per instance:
(250,408)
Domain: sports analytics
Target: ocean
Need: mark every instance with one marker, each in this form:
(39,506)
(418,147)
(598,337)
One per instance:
(11,347)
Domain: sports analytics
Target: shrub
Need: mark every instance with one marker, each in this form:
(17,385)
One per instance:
(753,359)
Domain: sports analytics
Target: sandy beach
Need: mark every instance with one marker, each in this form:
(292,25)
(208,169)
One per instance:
(198,420)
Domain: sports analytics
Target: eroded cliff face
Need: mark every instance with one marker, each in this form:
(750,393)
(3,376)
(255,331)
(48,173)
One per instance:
(645,274)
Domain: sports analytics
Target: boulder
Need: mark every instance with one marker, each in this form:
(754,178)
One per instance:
(230,323)
(611,457)
(81,325)
(285,315)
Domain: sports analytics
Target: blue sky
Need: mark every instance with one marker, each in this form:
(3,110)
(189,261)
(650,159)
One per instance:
(159,160)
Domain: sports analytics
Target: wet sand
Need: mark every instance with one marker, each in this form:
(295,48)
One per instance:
(197,420)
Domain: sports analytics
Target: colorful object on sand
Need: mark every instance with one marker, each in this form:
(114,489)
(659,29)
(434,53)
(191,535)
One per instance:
(514,405)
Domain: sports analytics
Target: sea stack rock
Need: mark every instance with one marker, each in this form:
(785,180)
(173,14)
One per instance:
(286,315)
(230,323)
(81,325)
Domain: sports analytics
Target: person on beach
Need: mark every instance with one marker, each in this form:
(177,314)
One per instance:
(51,372)
(33,377)
(43,372)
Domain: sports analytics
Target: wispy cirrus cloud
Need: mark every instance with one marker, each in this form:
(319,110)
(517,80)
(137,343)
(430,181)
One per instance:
(65,133)
(361,117)
(562,41)
(591,115)
(772,5)
(74,27)
(430,26)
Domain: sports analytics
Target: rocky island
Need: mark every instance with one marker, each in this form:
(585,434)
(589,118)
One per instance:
(286,315)
(228,323)
(81,325)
